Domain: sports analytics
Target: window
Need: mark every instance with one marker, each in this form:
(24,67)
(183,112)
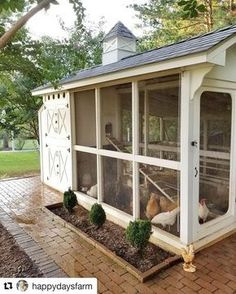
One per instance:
(85,118)
(117,183)
(215,138)
(159,130)
(87,173)
(159,102)
(116,118)
(159,197)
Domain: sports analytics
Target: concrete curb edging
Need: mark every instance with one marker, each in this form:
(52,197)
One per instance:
(141,276)
(45,263)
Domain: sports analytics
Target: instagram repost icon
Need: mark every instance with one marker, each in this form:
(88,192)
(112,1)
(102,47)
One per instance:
(22,285)
(8,286)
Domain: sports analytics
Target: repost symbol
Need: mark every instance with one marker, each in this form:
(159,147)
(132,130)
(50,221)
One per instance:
(8,286)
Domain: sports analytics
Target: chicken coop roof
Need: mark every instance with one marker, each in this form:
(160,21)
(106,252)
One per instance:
(183,48)
(119,30)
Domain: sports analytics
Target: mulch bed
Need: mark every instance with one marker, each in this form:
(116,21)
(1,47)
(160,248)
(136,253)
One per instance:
(14,262)
(112,236)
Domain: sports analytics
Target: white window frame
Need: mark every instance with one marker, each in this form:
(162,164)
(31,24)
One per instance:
(133,157)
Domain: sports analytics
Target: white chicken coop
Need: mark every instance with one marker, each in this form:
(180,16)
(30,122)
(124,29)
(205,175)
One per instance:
(149,135)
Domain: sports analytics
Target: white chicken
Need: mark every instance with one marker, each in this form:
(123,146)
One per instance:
(166,218)
(92,191)
(203,210)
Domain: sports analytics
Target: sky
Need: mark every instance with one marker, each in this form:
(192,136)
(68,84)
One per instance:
(47,22)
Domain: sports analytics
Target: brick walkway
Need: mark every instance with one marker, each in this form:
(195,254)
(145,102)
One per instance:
(22,199)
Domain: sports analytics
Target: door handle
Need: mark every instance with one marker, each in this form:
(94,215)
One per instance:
(196,172)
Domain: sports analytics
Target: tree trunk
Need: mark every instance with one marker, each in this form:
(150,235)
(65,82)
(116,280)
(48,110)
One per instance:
(209,15)
(5,141)
(8,35)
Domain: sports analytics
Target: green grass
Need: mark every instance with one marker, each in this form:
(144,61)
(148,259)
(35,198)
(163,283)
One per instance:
(14,164)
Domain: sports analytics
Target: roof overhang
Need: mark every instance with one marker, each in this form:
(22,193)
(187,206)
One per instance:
(215,56)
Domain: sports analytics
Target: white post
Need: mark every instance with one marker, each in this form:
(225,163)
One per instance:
(146,122)
(99,144)
(186,178)
(73,142)
(135,140)
(41,153)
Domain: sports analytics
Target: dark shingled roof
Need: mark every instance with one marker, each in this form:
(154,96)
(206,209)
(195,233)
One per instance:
(119,30)
(186,47)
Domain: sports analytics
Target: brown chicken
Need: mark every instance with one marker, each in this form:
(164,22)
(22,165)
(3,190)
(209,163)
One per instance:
(153,206)
(166,204)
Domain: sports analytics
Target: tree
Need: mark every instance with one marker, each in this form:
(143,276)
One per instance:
(26,64)
(212,12)
(19,109)
(57,59)
(169,21)
(20,6)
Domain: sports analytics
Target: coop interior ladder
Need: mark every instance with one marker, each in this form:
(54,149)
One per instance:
(121,148)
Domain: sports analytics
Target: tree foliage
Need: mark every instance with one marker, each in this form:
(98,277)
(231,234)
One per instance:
(26,63)
(13,5)
(169,21)
(29,8)
(18,108)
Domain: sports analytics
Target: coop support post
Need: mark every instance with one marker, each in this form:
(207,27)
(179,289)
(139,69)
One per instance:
(41,143)
(135,140)
(146,122)
(73,141)
(98,144)
(186,178)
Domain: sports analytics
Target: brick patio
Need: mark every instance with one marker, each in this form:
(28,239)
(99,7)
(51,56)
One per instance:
(22,200)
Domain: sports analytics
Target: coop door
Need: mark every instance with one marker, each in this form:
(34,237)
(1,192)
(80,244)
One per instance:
(214,147)
(56,144)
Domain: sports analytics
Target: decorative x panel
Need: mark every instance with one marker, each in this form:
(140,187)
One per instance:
(58,165)
(62,120)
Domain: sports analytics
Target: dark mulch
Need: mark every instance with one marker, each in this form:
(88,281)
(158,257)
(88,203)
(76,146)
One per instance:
(14,262)
(112,236)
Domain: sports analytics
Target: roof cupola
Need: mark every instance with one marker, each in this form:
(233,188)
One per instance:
(118,43)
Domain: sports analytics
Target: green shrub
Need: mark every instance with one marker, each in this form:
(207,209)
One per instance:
(138,233)
(69,200)
(97,215)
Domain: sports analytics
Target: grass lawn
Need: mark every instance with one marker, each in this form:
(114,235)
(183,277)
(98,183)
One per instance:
(14,164)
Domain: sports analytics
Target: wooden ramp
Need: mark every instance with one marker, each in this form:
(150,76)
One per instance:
(117,145)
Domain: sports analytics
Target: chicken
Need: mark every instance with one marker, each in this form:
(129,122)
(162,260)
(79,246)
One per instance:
(92,191)
(166,204)
(166,218)
(153,207)
(203,210)
(188,256)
